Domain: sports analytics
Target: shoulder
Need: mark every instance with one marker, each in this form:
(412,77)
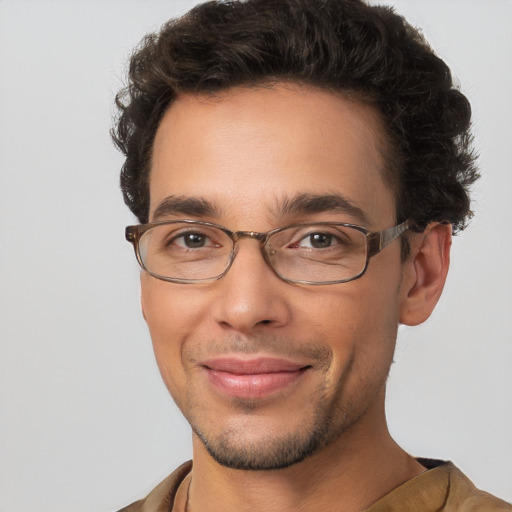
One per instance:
(442,488)
(463,496)
(162,496)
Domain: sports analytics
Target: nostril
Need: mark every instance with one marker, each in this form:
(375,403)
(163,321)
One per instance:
(265,322)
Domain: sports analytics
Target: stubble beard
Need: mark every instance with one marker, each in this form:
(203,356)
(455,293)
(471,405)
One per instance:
(327,421)
(232,450)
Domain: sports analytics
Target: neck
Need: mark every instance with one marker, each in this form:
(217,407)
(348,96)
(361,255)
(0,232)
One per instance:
(353,472)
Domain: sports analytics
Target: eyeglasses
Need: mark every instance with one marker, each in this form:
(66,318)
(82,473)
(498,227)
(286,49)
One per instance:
(188,251)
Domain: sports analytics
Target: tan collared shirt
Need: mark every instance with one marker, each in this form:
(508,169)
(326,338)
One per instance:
(444,488)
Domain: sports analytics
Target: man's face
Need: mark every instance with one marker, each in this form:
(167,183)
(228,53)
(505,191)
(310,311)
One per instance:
(268,372)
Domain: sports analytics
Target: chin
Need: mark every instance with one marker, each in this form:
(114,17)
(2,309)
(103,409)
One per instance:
(264,455)
(255,446)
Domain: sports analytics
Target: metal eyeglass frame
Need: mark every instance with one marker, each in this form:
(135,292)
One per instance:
(375,242)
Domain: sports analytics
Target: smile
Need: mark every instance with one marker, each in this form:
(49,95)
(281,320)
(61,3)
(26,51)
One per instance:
(251,379)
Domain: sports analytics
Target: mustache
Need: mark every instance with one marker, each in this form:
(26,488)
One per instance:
(316,350)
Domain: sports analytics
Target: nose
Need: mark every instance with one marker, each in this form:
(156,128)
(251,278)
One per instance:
(250,296)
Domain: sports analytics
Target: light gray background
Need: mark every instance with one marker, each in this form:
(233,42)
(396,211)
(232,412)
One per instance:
(85,423)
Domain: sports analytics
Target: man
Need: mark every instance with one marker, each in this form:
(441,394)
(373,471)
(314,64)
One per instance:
(297,168)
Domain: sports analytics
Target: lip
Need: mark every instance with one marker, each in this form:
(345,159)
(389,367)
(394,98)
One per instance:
(253,378)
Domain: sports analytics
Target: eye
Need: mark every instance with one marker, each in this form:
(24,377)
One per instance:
(193,240)
(319,240)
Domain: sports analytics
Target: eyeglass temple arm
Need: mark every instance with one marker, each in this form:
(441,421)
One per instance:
(377,241)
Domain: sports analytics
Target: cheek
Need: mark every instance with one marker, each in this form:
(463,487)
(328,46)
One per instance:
(170,309)
(360,321)
(362,360)
(172,313)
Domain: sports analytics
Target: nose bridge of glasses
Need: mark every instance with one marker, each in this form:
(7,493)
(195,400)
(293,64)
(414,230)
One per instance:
(237,235)
(255,235)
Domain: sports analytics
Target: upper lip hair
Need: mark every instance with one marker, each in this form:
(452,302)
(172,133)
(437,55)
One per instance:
(253,366)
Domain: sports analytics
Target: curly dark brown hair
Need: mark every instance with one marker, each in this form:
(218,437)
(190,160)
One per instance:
(345,46)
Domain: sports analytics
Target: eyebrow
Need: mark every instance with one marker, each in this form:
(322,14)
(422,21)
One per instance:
(309,204)
(302,204)
(185,205)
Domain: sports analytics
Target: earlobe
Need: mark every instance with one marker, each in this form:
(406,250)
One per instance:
(425,273)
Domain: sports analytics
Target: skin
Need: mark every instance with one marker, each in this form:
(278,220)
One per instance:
(245,151)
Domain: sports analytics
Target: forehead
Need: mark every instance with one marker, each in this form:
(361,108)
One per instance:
(248,150)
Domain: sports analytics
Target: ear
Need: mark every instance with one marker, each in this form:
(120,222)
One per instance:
(425,273)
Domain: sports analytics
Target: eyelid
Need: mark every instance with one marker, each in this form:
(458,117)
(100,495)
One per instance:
(298,236)
(310,229)
(208,232)
(334,240)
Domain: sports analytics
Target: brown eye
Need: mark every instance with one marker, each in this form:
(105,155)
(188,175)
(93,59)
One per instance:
(320,240)
(194,240)
(191,240)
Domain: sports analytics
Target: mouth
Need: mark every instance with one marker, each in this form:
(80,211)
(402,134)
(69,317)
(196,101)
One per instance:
(254,378)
